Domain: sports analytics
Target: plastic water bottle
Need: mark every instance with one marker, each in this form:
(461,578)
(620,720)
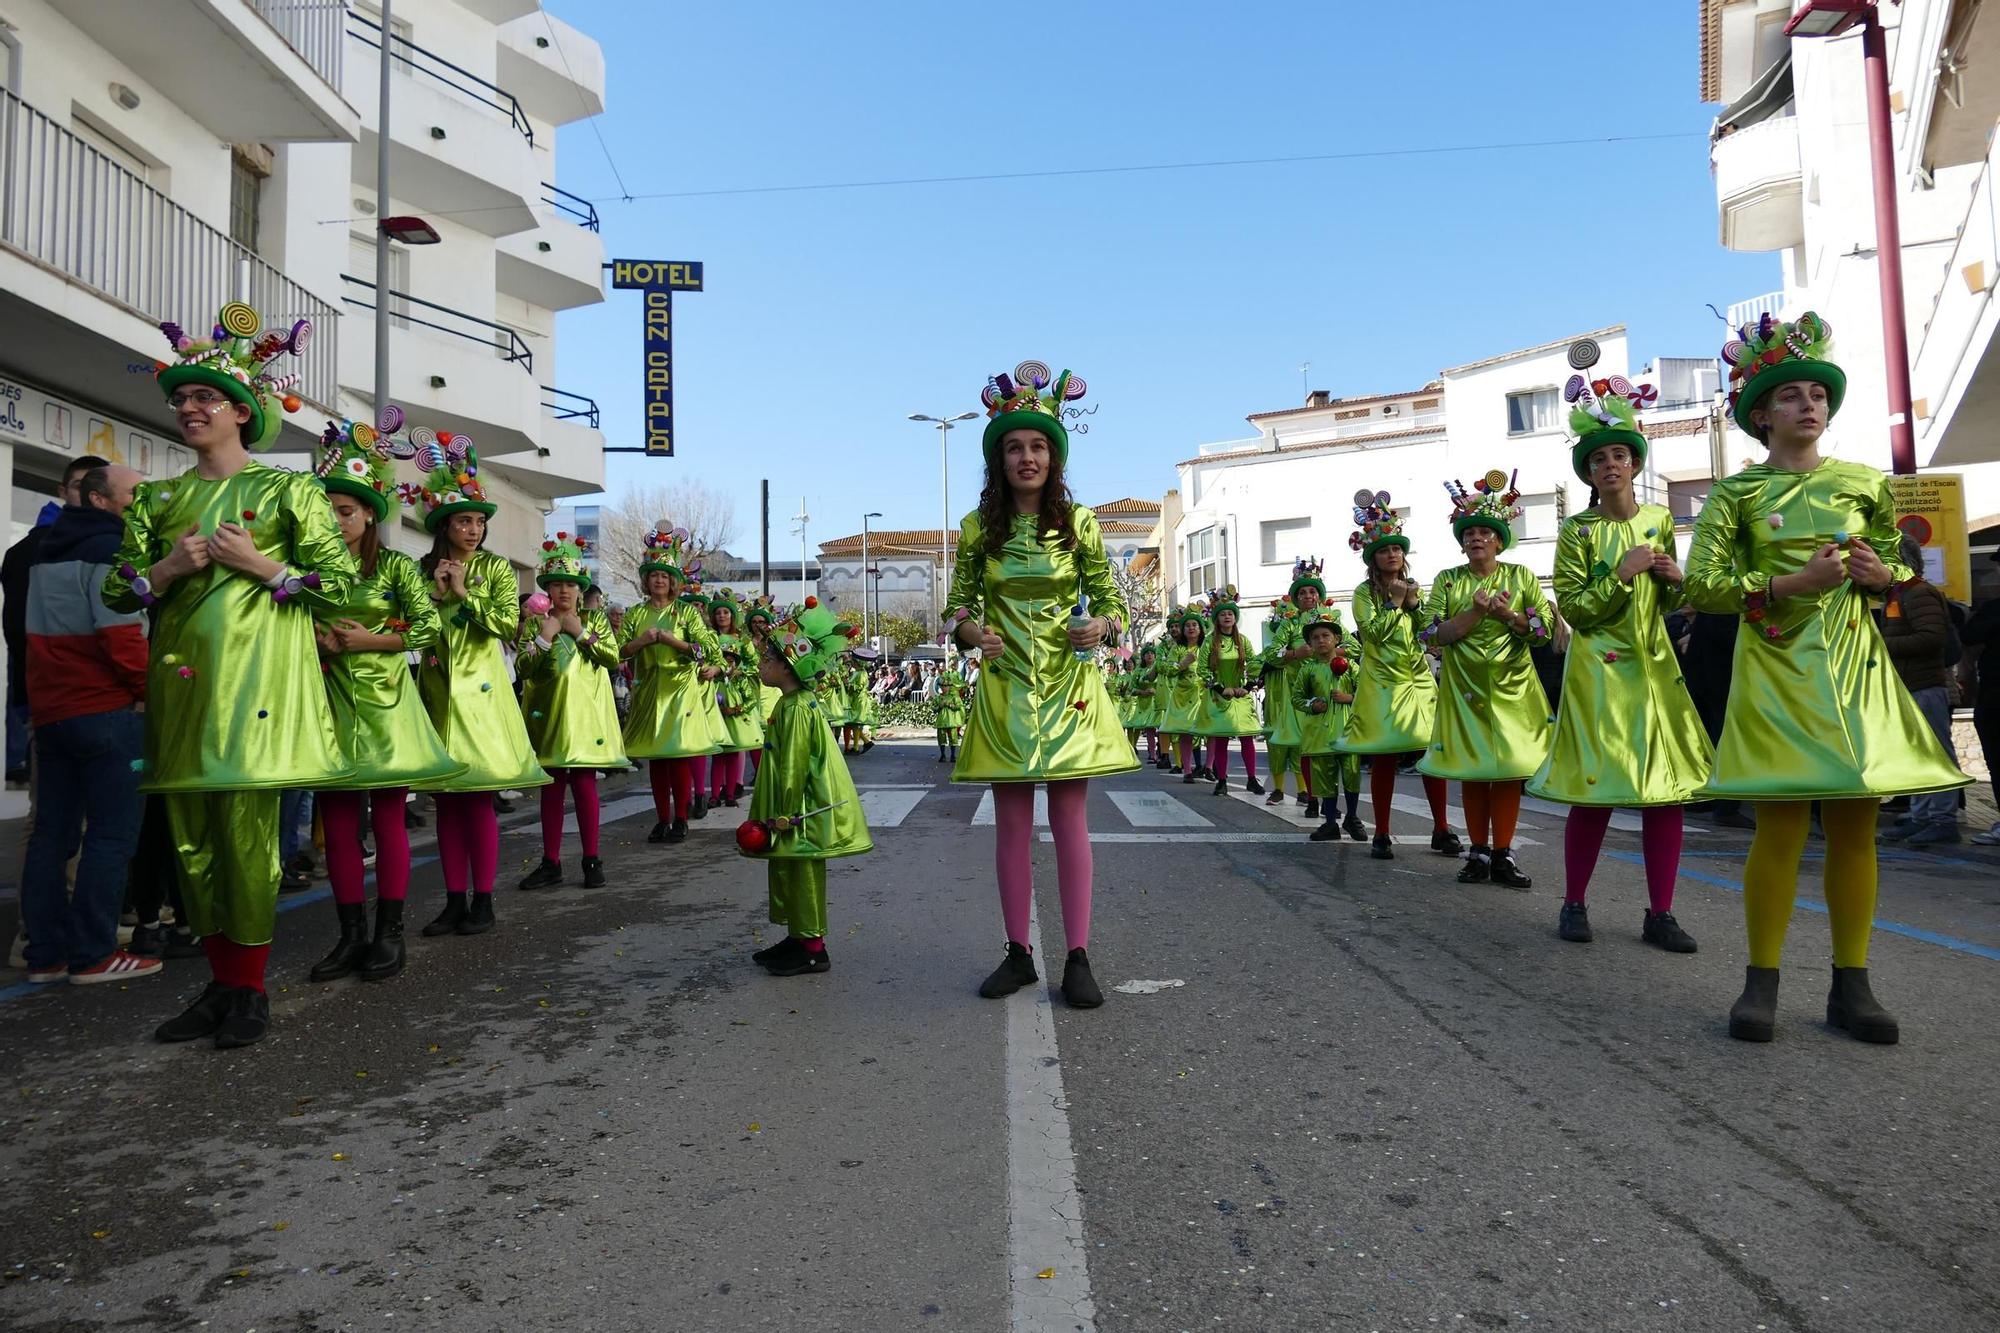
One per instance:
(1077,621)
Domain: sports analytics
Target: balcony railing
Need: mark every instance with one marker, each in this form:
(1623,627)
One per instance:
(566,406)
(505,342)
(434,66)
(65,205)
(576,206)
(312,28)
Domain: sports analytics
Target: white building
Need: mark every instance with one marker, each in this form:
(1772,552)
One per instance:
(1249,508)
(1791,163)
(136,186)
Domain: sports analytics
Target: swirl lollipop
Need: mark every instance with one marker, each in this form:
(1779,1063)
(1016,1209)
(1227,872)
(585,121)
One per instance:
(1363,498)
(1735,350)
(1496,481)
(300,337)
(990,396)
(363,435)
(1381,499)
(240,320)
(1033,373)
(1620,385)
(1074,388)
(1573,390)
(1583,354)
(389,420)
(400,448)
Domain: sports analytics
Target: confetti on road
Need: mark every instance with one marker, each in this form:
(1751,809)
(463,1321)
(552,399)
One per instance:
(1147,987)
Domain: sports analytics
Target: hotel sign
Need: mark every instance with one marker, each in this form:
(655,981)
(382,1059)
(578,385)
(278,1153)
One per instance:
(658,280)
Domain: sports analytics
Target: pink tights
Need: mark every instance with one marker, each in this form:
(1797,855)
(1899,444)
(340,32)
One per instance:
(582,781)
(673,788)
(1013,855)
(698,765)
(340,812)
(1218,756)
(1583,839)
(728,771)
(468,840)
(1187,753)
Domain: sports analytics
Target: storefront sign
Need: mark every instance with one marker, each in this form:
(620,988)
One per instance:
(658,280)
(33,417)
(1930,507)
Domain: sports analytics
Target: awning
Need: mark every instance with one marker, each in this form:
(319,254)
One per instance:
(1768,94)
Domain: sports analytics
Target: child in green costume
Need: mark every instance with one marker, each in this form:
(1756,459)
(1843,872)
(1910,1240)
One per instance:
(1323,694)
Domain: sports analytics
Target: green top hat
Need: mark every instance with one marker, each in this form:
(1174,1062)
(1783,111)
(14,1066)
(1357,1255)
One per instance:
(236,362)
(1770,352)
(1025,400)
(1491,503)
(812,639)
(562,562)
(1326,615)
(358,460)
(1376,526)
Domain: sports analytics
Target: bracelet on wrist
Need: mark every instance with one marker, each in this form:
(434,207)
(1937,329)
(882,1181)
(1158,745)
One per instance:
(142,587)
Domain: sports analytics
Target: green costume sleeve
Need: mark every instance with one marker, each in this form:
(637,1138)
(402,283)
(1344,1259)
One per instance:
(1884,536)
(413,603)
(1205,670)
(695,629)
(968,572)
(603,649)
(317,548)
(1588,590)
(1438,605)
(493,604)
(1719,575)
(138,549)
(1308,684)
(1093,569)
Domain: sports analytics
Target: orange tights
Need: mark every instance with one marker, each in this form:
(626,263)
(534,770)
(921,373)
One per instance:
(1494,807)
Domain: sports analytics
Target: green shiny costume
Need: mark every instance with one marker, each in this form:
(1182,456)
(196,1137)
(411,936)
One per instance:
(1320,732)
(1230,666)
(1026,724)
(376,707)
(742,693)
(1140,685)
(1493,719)
(665,718)
(866,712)
(236,710)
(950,705)
(1395,696)
(1627,733)
(466,689)
(1816,711)
(1180,685)
(566,693)
(1282,729)
(803,770)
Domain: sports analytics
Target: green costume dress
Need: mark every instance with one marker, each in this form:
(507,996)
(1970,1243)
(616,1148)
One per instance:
(1627,733)
(1395,695)
(1145,714)
(1040,713)
(376,707)
(1186,697)
(1320,732)
(803,770)
(1493,719)
(465,687)
(950,704)
(867,712)
(1816,710)
(566,690)
(665,718)
(1229,666)
(1283,730)
(742,693)
(236,712)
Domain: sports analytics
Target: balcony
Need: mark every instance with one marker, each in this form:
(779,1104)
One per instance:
(501,11)
(570,459)
(557,71)
(450,370)
(284,59)
(1758,194)
(1754,309)
(92,259)
(459,146)
(1956,376)
(560,264)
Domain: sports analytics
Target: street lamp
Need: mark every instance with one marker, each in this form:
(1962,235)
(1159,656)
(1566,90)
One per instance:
(1831,18)
(867,577)
(944,425)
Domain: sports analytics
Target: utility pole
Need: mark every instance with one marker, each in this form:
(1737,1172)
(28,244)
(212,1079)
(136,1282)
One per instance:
(799,521)
(764,536)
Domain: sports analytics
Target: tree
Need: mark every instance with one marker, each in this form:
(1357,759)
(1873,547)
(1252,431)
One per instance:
(902,631)
(1142,596)
(622,525)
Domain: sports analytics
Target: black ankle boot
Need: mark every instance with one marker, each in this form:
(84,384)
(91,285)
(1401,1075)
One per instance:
(347,951)
(384,958)
(781,952)
(1754,1016)
(449,919)
(1852,1007)
(1311,804)
(1016,970)
(544,876)
(659,833)
(1221,787)
(199,1019)
(479,916)
(1445,843)
(245,1021)
(1254,787)
(1507,872)
(1382,849)
(1477,868)
(1660,930)
(700,810)
(593,871)
(1079,988)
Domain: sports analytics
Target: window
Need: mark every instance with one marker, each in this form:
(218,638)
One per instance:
(1284,540)
(246,185)
(1540,516)
(1204,565)
(1531,412)
(114,151)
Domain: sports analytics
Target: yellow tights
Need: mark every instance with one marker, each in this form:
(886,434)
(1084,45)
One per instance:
(1771,877)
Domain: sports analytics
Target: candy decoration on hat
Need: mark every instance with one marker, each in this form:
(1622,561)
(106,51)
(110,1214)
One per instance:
(1771,353)
(1306,572)
(1376,525)
(1492,506)
(355,460)
(452,484)
(562,561)
(666,552)
(1603,412)
(235,363)
(1026,400)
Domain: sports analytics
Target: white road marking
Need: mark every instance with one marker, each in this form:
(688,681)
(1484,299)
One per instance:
(1044,1213)
(1156,809)
(887,809)
(984,814)
(1147,987)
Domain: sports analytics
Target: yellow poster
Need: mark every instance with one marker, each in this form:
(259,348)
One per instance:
(1930,507)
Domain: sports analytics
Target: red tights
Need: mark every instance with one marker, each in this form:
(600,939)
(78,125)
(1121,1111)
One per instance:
(582,781)
(1382,794)
(468,841)
(340,811)
(236,965)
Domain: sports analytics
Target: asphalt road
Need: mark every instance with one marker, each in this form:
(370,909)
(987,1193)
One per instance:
(1376,1099)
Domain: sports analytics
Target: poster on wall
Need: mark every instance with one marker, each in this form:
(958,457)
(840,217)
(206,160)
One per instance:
(1930,509)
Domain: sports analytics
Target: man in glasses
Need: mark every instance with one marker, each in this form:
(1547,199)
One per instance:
(232,558)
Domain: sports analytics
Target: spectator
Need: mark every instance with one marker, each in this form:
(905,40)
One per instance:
(14,572)
(1916,627)
(1707,667)
(86,677)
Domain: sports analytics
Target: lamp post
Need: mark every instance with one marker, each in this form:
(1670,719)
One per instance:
(944,425)
(1832,18)
(867,576)
(799,521)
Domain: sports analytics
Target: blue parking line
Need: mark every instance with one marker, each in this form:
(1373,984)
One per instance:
(1951,942)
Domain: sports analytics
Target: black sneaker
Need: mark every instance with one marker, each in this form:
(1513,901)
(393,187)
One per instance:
(593,872)
(291,881)
(1079,988)
(246,1021)
(448,921)
(1016,970)
(1476,870)
(148,941)
(199,1019)
(659,832)
(940,756)
(1221,787)
(1661,930)
(1327,832)
(866,746)
(1256,788)
(1355,829)
(181,943)
(806,962)
(1573,924)
(544,876)
(1382,849)
(1302,798)
(1175,770)
(1275,798)
(782,951)
(1445,843)
(678,832)
(478,916)
(1311,804)
(700,810)
(1507,872)
(1187,778)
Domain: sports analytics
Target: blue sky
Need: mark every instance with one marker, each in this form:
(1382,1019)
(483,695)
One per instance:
(1185,298)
